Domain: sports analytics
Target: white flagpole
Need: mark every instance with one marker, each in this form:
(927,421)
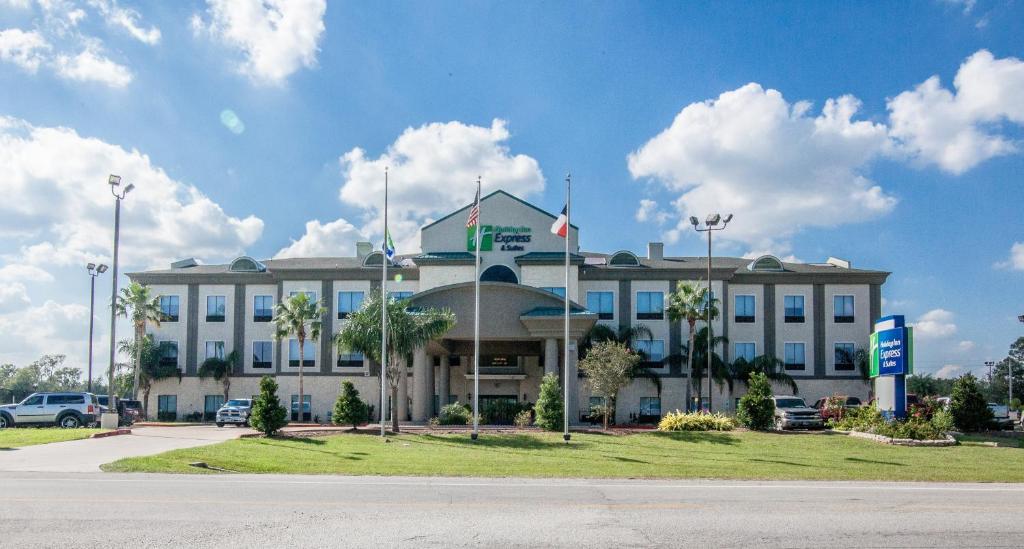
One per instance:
(568,233)
(384,311)
(476,323)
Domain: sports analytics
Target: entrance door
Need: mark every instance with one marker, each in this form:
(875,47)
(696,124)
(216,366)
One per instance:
(211,404)
(499,409)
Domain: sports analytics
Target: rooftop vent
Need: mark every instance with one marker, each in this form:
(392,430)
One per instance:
(655,250)
(185,263)
(836,262)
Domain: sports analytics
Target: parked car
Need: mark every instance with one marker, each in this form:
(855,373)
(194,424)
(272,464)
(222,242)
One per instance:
(1000,416)
(64,409)
(826,414)
(235,411)
(791,412)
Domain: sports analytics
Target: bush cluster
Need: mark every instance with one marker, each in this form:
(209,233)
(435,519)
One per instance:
(454,414)
(549,404)
(696,421)
(869,420)
(968,406)
(524,418)
(349,409)
(756,409)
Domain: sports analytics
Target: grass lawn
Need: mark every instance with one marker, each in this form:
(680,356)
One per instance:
(28,436)
(736,455)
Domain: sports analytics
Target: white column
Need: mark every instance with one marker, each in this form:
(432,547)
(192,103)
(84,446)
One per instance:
(573,383)
(443,381)
(403,392)
(421,389)
(551,356)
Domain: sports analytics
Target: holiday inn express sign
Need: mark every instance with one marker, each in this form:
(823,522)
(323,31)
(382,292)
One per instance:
(509,238)
(892,352)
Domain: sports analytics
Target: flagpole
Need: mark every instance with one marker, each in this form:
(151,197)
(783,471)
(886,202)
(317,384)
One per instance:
(568,233)
(384,310)
(476,323)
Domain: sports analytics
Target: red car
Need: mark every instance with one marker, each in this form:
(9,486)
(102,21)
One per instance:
(826,414)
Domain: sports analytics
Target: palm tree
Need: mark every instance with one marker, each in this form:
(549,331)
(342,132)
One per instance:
(221,369)
(301,317)
(150,368)
(690,303)
(860,358)
(626,335)
(138,304)
(408,329)
(773,368)
(720,373)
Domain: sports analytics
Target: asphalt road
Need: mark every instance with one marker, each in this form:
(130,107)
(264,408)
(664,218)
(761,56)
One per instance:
(108,510)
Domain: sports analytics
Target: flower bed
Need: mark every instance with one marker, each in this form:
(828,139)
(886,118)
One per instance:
(919,429)
(696,421)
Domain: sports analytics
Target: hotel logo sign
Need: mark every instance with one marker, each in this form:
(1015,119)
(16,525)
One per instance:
(508,238)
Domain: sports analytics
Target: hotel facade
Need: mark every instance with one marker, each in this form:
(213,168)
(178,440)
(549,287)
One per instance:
(809,315)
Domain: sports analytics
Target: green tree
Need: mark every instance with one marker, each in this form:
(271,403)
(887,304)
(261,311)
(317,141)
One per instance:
(926,385)
(220,369)
(772,368)
(997,388)
(968,406)
(150,369)
(628,336)
(138,305)
(720,371)
(689,303)
(349,409)
(757,409)
(609,366)
(268,416)
(549,405)
(408,329)
(302,318)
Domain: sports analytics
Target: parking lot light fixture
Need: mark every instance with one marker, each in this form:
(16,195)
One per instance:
(115,182)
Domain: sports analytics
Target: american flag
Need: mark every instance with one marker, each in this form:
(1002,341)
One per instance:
(474,212)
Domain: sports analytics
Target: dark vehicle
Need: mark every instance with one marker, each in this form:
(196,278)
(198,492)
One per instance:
(1000,416)
(791,412)
(129,411)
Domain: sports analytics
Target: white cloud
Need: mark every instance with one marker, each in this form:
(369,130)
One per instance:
(50,328)
(127,19)
(965,346)
(13,297)
(92,66)
(935,324)
(650,211)
(27,50)
(957,131)
(60,179)
(950,371)
(333,239)
(1016,259)
(433,170)
(277,37)
(24,273)
(772,163)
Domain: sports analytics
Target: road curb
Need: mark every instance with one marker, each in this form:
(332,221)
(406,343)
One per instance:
(113,433)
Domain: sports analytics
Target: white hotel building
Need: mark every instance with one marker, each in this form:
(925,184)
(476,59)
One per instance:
(801,313)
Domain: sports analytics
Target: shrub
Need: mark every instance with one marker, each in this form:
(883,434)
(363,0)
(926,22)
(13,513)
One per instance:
(549,404)
(696,421)
(349,409)
(925,409)
(454,414)
(968,406)
(943,421)
(835,407)
(757,409)
(268,415)
(524,418)
(869,420)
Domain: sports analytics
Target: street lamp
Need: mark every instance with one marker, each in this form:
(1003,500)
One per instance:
(710,225)
(115,184)
(94,271)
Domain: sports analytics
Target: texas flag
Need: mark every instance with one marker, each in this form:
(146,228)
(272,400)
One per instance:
(561,225)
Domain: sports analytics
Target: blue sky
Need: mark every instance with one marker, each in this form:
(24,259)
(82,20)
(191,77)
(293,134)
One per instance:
(658,109)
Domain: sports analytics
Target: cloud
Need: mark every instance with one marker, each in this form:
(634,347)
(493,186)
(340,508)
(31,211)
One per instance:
(333,239)
(92,66)
(433,170)
(51,328)
(950,371)
(27,50)
(965,346)
(775,165)
(24,273)
(276,37)
(60,179)
(957,131)
(935,324)
(1016,259)
(649,211)
(127,19)
(13,297)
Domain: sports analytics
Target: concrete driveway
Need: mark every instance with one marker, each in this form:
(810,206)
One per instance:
(86,455)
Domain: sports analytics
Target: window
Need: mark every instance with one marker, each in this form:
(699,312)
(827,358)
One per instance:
(653,349)
(794,305)
(215,349)
(167,407)
(844,356)
(169,308)
(65,399)
(650,406)
(746,351)
(596,401)
(650,306)
(215,309)
(262,308)
(168,353)
(212,403)
(843,308)
(36,400)
(306,407)
(399,296)
(794,356)
(262,354)
(349,302)
(350,360)
(309,295)
(602,304)
(557,290)
(308,353)
(744,308)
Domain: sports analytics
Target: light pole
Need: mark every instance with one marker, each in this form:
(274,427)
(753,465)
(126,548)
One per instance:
(990,364)
(115,184)
(710,225)
(94,271)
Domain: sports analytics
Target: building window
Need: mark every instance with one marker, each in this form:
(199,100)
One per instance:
(350,360)
(308,353)
(557,290)
(167,407)
(653,350)
(168,308)
(844,356)
(399,296)
(262,354)
(794,359)
(650,407)
(262,308)
(168,353)
(744,308)
(310,295)
(794,305)
(601,303)
(212,403)
(215,349)
(348,303)
(843,308)
(650,306)
(746,351)
(215,308)
(306,408)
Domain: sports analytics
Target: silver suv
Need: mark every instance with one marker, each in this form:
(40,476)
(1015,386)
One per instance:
(235,411)
(68,410)
(791,412)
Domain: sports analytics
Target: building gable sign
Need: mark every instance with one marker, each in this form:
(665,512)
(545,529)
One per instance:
(509,238)
(892,351)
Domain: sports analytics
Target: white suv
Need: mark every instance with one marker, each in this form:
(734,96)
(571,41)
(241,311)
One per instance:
(68,410)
